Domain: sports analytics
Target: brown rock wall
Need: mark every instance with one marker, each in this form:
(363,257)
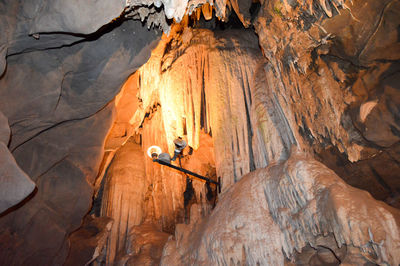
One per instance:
(123,197)
(334,84)
(39,228)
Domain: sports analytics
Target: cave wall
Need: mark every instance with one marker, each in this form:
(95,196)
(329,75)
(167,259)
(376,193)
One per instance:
(58,100)
(38,24)
(322,76)
(307,91)
(16,185)
(123,198)
(332,75)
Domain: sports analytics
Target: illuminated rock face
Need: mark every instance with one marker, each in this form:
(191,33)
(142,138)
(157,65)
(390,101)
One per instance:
(312,218)
(142,197)
(203,81)
(325,80)
(274,211)
(123,197)
(306,94)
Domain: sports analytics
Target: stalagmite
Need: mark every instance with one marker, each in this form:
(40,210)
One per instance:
(275,212)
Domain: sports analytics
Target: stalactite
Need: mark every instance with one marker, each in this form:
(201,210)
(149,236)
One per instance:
(209,98)
(207,11)
(123,197)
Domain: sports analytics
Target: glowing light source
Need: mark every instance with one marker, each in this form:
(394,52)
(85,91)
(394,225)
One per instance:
(153,150)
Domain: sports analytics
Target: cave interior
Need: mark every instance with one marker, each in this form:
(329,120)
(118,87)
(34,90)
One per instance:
(291,108)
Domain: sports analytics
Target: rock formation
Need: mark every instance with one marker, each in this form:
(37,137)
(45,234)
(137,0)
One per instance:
(16,185)
(273,212)
(211,95)
(140,196)
(245,84)
(58,100)
(326,80)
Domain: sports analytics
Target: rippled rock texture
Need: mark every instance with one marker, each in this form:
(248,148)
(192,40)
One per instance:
(273,212)
(58,100)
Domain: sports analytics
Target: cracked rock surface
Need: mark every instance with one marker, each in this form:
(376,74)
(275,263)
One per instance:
(15,185)
(59,104)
